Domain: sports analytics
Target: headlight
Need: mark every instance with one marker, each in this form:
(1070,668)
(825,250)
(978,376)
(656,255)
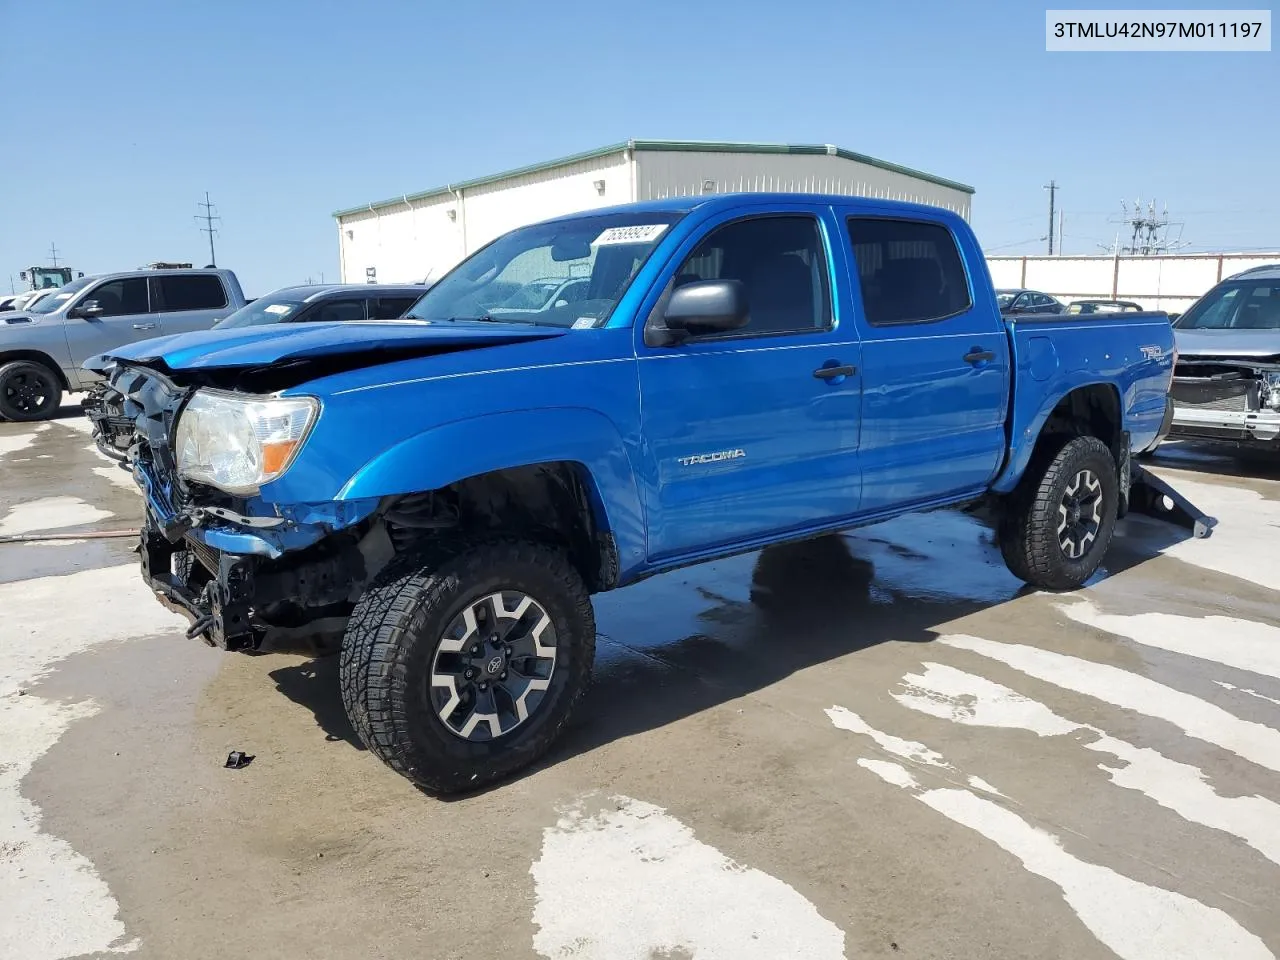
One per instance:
(1270,394)
(238,443)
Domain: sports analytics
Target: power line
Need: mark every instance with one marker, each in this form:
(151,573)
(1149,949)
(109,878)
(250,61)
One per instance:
(1016,243)
(208,217)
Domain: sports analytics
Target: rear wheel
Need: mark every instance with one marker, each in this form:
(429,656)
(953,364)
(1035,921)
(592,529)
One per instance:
(29,391)
(1058,524)
(461,667)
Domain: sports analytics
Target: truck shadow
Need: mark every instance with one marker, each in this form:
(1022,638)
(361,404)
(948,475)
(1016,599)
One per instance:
(314,685)
(687,641)
(1260,462)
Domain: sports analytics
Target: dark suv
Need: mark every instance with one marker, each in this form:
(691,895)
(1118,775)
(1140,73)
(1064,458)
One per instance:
(329,303)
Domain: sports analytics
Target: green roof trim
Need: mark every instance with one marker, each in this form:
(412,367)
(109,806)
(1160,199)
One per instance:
(657,146)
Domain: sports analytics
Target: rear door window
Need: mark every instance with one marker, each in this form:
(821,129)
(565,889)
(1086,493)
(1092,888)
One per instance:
(910,271)
(337,311)
(197,292)
(389,308)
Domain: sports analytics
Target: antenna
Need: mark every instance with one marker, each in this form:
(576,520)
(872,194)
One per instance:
(209,217)
(53,254)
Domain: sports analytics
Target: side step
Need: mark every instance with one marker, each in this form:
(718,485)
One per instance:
(1150,495)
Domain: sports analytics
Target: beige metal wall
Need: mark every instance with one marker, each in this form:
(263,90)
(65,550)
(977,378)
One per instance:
(661,174)
(424,238)
(495,208)
(401,242)
(1169,283)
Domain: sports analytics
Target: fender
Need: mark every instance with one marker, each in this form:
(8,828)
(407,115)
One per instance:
(465,448)
(1025,434)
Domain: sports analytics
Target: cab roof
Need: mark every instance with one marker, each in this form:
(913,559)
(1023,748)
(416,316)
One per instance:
(711,203)
(310,293)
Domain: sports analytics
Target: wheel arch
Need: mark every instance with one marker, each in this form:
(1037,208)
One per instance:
(545,459)
(40,357)
(1093,409)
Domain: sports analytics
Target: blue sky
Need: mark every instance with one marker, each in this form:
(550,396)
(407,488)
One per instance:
(285,111)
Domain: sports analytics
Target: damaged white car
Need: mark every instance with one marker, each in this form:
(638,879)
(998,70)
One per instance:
(1226,383)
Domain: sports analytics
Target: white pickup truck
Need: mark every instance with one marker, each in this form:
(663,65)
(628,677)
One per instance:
(41,349)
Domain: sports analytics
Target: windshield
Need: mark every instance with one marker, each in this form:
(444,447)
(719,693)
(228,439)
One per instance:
(1004,299)
(261,312)
(58,298)
(1235,306)
(524,276)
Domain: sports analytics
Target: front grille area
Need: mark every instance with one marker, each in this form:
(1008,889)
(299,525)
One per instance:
(204,554)
(1235,404)
(1227,392)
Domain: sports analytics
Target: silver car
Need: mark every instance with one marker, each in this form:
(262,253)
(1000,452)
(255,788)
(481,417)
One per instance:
(42,348)
(1226,383)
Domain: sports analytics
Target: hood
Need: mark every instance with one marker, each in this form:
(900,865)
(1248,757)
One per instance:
(282,343)
(18,317)
(1234,344)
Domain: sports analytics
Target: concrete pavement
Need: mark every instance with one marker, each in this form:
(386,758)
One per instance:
(862,746)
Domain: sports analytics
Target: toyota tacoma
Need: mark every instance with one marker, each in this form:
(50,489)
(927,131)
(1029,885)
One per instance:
(445,492)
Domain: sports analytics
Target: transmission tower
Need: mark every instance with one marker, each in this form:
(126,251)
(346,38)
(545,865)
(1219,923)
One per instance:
(209,217)
(1149,231)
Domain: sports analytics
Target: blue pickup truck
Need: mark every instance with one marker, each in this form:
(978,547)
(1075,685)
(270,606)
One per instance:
(446,491)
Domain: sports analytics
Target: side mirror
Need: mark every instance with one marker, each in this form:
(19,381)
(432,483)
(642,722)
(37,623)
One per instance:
(707,306)
(89,309)
(1174,316)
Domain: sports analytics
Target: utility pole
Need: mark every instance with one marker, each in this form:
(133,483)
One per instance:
(1052,187)
(208,217)
(53,254)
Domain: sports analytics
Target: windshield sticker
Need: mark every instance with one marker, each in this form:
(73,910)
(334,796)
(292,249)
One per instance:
(277,308)
(643,233)
(584,323)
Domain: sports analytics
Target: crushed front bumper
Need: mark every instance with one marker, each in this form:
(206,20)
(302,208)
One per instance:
(221,609)
(238,556)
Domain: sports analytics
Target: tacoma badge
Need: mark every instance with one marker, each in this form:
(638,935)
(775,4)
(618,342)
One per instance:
(711,457)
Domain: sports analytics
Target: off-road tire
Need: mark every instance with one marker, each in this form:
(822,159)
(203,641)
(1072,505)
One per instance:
(29,368)
(1028,529)
(392,636)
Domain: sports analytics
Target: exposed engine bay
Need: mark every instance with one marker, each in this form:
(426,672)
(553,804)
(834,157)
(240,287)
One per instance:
(1229,398)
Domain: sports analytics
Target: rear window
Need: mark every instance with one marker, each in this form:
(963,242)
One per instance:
(910,271)
(198,292)
(262,311)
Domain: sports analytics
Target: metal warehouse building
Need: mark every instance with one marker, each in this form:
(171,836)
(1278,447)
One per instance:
(419,235)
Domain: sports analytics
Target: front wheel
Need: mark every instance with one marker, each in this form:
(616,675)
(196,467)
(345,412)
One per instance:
(29,391)
(462,666)
(1058,524)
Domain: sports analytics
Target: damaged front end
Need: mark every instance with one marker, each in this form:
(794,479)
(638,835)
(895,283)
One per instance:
(240,568)
(1227,398)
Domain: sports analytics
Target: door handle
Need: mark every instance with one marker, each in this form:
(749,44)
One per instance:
(976,356)
(830,373)
(144,326)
